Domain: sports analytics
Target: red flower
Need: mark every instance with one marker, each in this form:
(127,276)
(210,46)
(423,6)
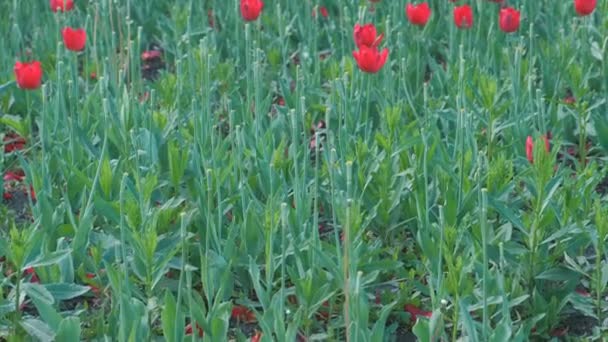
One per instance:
(584,7)
(62,5)
(463,16)
(251,9)
(257,337)
(13,176)
(530,147)
(366,35)
(198,329)
(13,142)
(418,14)
(415,312)
(150,55)
(243,314)
(34,278)
(508,19)
(28,75)
(74,39)
(32,193)
(370,59)
(210,18)
(322,10)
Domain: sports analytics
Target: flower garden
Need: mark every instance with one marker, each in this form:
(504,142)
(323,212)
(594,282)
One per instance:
(313,170)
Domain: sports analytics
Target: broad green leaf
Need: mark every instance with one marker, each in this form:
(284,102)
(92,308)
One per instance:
(65,291)
(467,322)
(16,123)
(604,277)
(48,260)
(421,330)
(37,328)
(168,317)
(5,86)
(66,265)
(69,330)
(37,291)
(377,334)
(105,177)
(47,313)
(6,306)
(559,274)
(502,333)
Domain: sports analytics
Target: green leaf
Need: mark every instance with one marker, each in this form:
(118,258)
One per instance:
(467,322)
(65,291)
(219,319)
(48,260)
(37,328)
(604,279)
(380,325)
(69,330)
(559,274)
(37,291)
(47,312)
(436,325)
(15,123)
(552,186)
(66,266)
(596,51)
(506,212)
(168,317)
(5,86)
(502,333)
(421,330)
(105,176)
(6,306)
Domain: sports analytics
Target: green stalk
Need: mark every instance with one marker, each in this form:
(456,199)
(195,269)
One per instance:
(182,272)
(123,253)
(284,227)
(347,245)
(484,237)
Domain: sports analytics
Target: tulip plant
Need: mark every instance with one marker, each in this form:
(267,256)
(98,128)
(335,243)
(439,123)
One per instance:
(251,170)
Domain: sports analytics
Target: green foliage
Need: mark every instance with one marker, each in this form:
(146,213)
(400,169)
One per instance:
(260,182)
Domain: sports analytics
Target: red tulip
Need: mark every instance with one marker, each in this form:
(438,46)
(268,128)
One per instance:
(251,9)
(62,5)
(416,312)
(210,18)
(14,176)
(28,75)
(322,10)
(74,39)
(370,59)
(584,7)
(418,14)
(243,314)
(34,279)
(13,142)
(149,55)
(257,337)
(188,330)
(530,147)
(508,19)
(366,35)
(463,16)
